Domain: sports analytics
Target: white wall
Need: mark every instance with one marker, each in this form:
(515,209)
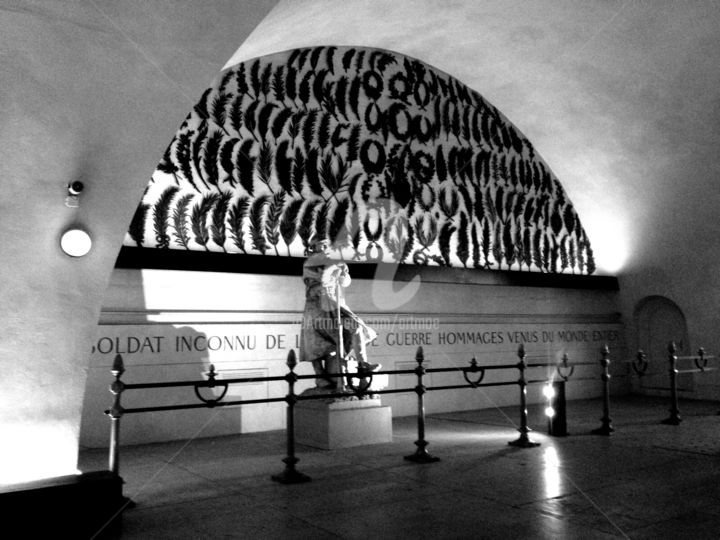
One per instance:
(619,98)
(170,325)
(91,91)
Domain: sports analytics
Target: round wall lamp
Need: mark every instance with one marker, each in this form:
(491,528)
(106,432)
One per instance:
(76,242)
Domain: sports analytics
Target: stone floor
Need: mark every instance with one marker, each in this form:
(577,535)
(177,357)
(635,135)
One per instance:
(646,480)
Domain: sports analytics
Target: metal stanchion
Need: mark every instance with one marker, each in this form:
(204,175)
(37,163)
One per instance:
(421,455)
(703,360)
(606,427)
(290,475)
(115,413)
(640,363)
(674,418)
(557,409)
(523,441)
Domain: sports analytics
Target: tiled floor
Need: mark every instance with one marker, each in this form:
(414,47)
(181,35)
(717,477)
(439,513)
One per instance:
(646,480)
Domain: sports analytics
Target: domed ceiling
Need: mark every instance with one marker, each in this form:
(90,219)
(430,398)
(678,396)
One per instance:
(387,157)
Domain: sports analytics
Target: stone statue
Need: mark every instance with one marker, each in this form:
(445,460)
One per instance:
(329,325)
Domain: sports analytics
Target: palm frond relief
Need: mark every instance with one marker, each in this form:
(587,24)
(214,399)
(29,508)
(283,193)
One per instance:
(385,156)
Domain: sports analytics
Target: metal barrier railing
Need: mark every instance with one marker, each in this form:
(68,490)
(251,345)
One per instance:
(701,366)
(473,374)
(640,366)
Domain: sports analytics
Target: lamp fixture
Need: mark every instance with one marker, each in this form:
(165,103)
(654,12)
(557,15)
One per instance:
(76,242)
(74,189)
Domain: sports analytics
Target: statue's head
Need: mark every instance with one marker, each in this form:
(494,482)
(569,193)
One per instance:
(317,247)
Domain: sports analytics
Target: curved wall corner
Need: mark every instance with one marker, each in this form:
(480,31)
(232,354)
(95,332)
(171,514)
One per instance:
(89,93)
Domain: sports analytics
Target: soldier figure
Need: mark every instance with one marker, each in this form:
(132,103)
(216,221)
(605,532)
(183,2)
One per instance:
(331,333)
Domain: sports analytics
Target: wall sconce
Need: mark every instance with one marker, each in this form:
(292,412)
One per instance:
(76,242)
(72,200)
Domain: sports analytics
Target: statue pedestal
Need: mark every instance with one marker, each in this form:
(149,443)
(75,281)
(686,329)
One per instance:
(342,423)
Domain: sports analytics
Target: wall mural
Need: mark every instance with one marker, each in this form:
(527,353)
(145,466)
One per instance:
(385,156)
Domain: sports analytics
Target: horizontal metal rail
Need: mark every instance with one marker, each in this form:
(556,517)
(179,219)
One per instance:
(480,385)
(184,406)
(208,383)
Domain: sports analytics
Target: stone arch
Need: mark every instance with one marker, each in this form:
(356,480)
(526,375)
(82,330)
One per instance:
(389,158)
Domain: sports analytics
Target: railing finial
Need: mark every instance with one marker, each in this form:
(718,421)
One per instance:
(118,367)
(291,359)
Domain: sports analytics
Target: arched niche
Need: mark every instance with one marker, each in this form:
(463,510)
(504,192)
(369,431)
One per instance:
(387,157)
(659,321)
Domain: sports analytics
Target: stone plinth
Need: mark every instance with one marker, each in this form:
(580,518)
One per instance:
(342,423)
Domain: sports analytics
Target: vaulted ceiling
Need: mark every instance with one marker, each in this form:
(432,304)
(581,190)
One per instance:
(619,98)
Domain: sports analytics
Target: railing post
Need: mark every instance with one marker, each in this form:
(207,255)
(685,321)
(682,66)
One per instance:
(421,455)
(701,361)
(557,408)
(290,475)
(640,364)
(115,413)
(674,418)
(523,441)
(606,427)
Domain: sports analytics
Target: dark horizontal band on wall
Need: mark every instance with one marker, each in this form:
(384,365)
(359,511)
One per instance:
(212,261)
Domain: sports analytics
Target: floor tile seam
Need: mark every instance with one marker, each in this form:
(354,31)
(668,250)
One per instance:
(208,481)
(304,515)
(616,471)
(662,524)
(525,505)
(657,421)
(420,481)
(193,473)
(590,496)
(576,481)
(237,485)
(324,529)
(309,471)
(609,526)
(158,465)
(679,455)
(385,468)
(397,472)
(531,514)
(629,444)
(584,493)
(549,513)
(647,523)
(687,451)
(190,472)
(445,519)
(609,518)
(409,482)
(594,488)
(460,490)
(170,503)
